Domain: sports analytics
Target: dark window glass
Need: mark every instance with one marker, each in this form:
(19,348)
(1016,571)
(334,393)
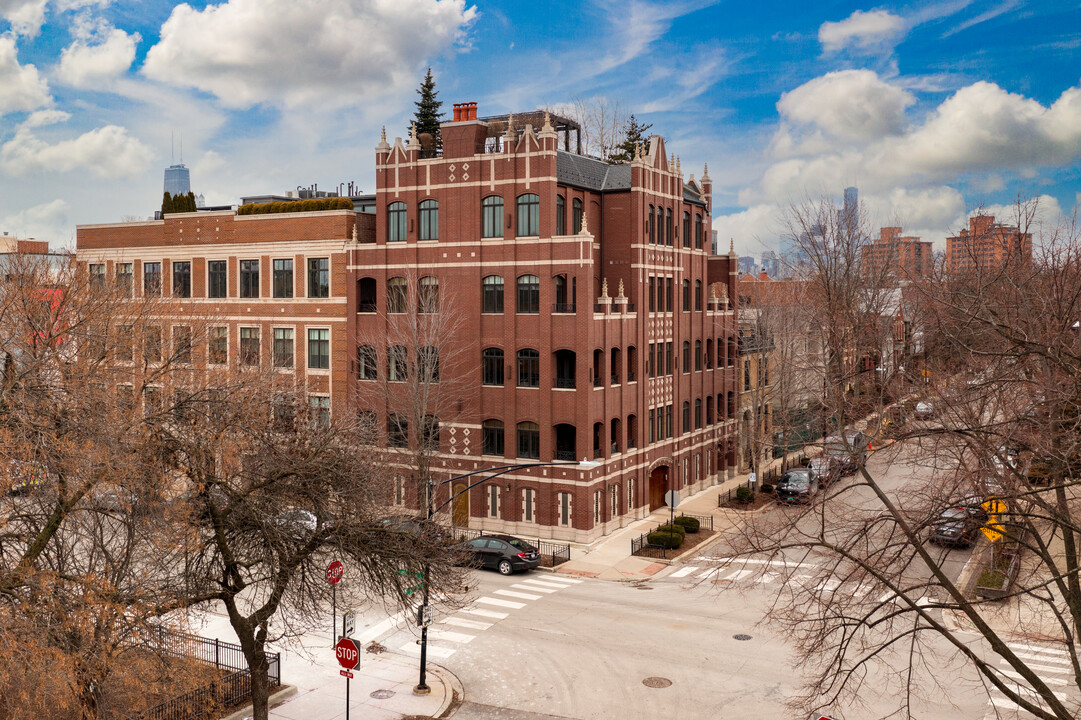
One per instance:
(428,364)
(396,295)
(218,346)
(397,430)
(319,349)
(396,214)
(686,229)
(528,294)
(492,437)
(651,227)
(686,416)
(249,346)
(698,231)
(182,343)
(528,440)
(528,215)
(428,295)
(366,295)
(283,347)
(668,358)
(283,278)
(686,356)
(698,414)
(97,276)
(318,277)
(561,215)
(668,421)
(492,294)
(124,279)
(397,363)
(697,355)
(492,366)
(182,279)
(652,293)
(576,210)
(217,276)
(652,434)
(528,368)
(686,296)
(492,217)
(669,306)
(668,227)
(366,363)
(152,279)
(429,220)
(698,296)
(249,278)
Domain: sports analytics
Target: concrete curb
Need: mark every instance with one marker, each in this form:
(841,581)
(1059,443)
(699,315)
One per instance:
(455,694)
(283,693)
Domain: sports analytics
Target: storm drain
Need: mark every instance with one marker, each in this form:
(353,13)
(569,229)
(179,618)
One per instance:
(656,682)
(382,694)
(741,636)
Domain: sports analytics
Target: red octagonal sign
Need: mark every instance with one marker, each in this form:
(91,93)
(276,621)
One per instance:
(347,653)
(335,571)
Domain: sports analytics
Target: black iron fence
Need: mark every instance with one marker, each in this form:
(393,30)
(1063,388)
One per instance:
(552,554)
(643,548)
(205,702)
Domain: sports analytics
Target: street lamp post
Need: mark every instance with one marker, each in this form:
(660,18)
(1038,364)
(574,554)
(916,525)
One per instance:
(422,686)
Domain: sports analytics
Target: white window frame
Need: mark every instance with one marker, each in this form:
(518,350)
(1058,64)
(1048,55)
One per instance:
(493,501)
(529,505)
(293,328)
(630,494)
(228,350)
(564,509)
(596,506)
(307,358)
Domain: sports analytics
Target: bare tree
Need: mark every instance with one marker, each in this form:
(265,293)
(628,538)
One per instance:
(603,124)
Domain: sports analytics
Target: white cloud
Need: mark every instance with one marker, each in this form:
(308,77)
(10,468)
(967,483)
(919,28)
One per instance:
(863,32)
(752,230)
(914,208)
(106,152)
(43,222)
(25,16)
(297,52)
(94,60)
(21,88)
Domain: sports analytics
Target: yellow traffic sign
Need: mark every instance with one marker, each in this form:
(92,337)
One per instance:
(993,529)
(995,506)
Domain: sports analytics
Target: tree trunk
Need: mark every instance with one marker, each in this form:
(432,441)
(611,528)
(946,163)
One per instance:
(260,685)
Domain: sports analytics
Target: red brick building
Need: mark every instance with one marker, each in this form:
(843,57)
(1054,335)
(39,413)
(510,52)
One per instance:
(909,257)
(987,245)
(595,323)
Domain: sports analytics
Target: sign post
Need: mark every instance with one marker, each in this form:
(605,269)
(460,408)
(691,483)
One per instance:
(349,623)
(334,574)
(671,498)
(348,657)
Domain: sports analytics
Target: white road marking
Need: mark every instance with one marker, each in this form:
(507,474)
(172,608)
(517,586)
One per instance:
(565,579)
(684,571)
(377,630)
(522,595)
(462,622)
(739,575)
(412,648)
(1047,668)
(449,635)
(1020,648)
(543,583)
(711,571)
(1018,678)
(501,603)
(537,588)
(485,613)
(759,561)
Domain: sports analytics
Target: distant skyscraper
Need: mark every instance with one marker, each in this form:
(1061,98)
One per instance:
(771,264)
(177,180)
(850,211)
(746,265)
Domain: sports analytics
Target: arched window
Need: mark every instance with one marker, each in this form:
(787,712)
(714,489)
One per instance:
(561,215)
(686,356)
(632,363)
(709,410)
(396,222)
(529,440)
(632,431)
(576,207)
(698,231)
(667,226)
(709,353)
(428,295)
(698,296)
(652,226)
(566,439)
(366,363)
(686,416)
(492,294)
(686,229)
(528,368)
(397,363)
(566,362)
(366,295)
(492,437)
(429,220)
(492,366)
(492,217)
(528,215)
(564,300)
(428,364)
(396,295)
(698,414)
(615,365)
(616,435)
(697,355)
(686,296)
(528,295)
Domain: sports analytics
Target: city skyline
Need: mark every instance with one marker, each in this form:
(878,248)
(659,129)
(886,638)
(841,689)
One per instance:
(783,105)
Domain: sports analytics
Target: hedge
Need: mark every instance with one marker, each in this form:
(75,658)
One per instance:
(689,524)
(678,529)
(313,205)
(668,540)
(744,494)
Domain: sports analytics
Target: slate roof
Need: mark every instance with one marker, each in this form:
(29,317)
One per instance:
(590,173)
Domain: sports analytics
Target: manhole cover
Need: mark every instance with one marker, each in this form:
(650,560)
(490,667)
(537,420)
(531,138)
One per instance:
(656,682)
(382,694)
(741,636)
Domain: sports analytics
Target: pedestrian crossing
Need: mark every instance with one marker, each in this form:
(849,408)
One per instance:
(447,635)
(1050,662)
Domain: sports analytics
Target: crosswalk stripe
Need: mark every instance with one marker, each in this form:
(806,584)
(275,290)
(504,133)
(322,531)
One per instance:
(449,635)
(1060,659)
(462,622)
(542,583)
(501,603)
(1018,678)
(1034,666)
(565,579)
(1030,693)
(523,586)
(481,612)
(740,574)
(433,650)
(1038,648)
(760,561)
(684,571)
(522,595)
(709,572)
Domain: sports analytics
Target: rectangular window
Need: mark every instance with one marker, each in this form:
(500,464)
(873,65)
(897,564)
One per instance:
(182,344)
(493,501)
(597,506)
(124,279)
(182,279)
(283,347)
(399,490)
(564,508)
(318,277)
(319,409)
(249,278)
(660,424)
(652,427)
(319,349)
(152,344)
(492,438)
(614,505)
(217,279)
(668,305)
(668,358)
(397,430)
(630,495)
(125,346)
(668,421)
(152,279)
(746,375)
(429,432)
(527,504)
(249,346)
(97,276)
(218,345)
(283,278)
(652,293)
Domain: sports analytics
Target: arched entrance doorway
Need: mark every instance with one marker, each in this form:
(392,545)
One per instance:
(658,486)
(460,516)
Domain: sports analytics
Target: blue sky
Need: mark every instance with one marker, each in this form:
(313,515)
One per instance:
(931,108)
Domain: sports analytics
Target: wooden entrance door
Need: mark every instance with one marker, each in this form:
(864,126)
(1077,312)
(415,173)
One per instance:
(460,516)
(658,485)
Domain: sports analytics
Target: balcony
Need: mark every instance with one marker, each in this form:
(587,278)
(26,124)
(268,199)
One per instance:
(564,455)
(564,308)
(564,382)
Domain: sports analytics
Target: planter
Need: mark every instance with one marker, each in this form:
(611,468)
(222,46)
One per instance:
(995,584)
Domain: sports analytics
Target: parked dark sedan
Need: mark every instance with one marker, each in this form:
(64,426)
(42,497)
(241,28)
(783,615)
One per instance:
(797,485)
(504,553)
(958,525)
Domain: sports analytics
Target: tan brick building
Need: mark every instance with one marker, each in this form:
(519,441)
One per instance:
(987,245)
(908,257)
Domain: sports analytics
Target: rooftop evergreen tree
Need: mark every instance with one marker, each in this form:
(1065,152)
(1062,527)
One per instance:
(634,135)
(428,114)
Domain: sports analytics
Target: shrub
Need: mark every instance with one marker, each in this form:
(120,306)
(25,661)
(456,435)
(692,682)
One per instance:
(744,494)
(767,488)
(311,205)
(689,524)
(669,540)
(677,529)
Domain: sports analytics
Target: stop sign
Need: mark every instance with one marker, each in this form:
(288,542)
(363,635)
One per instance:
(335,571)
(347,653)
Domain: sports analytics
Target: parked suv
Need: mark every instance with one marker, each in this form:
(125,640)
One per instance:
(827,469)
(798,485)
(958,525)
(849,450)
(504,553)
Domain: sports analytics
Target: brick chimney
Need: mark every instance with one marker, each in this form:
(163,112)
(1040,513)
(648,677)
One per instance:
(464,135)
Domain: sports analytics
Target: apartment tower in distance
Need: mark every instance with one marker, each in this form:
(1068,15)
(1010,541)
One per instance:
(909,257)
(987,246)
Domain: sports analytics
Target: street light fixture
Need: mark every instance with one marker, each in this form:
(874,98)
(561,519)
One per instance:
(422,686)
